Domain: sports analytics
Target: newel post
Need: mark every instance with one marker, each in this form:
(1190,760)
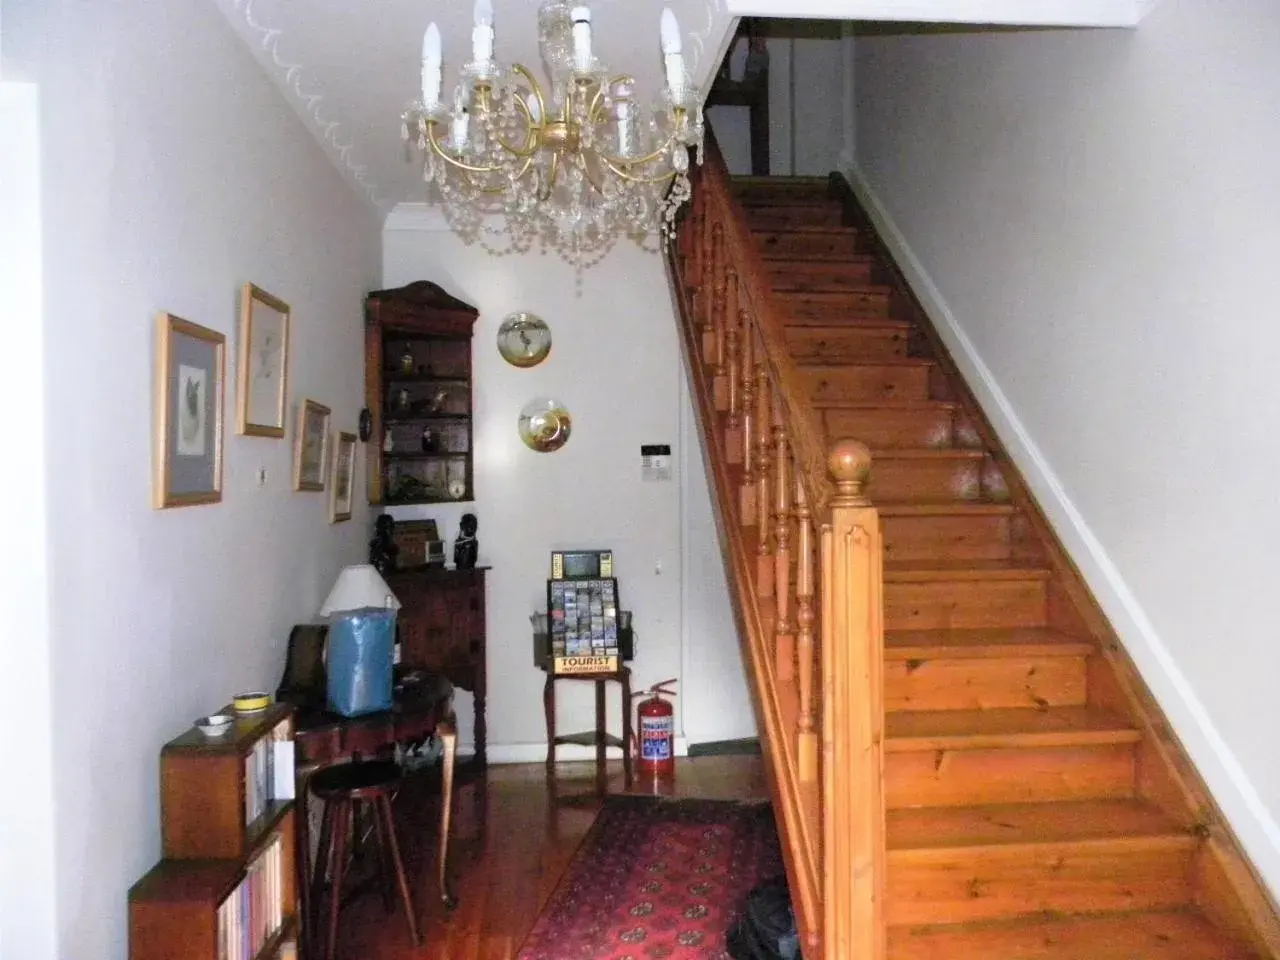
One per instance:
(852,611)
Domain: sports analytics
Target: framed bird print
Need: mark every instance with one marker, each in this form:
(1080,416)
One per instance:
(311,446)
(262,368)
(190,372)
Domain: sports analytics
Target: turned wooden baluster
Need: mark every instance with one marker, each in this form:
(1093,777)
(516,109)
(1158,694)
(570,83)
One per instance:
(807,755)
(750,453)
(726,320)
(783,629)
(733,371)
(764,495)
(853,816)
(715,287)
(692,233)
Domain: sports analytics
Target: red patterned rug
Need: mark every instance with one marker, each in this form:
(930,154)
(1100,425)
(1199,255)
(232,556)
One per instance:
(657,880)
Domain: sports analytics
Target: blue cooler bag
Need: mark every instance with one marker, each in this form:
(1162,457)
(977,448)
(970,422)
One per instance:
(361,653)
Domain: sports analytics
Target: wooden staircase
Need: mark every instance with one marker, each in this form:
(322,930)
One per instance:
(1030,803)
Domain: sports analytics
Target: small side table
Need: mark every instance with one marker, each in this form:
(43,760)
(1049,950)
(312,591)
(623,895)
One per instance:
(600,737)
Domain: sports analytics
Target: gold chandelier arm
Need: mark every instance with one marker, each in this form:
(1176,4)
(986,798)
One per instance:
(452,161)
(597,100)
(533,131)
(631,177)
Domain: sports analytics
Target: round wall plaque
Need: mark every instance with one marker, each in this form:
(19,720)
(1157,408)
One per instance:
(544,425)
(524,339)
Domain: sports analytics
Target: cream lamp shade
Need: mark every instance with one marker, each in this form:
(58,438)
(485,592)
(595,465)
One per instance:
(358,586)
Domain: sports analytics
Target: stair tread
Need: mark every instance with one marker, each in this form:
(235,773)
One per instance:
(859,323)
(976,644)
(1150,935)
(940,508)
(927,453)
(778,180)
(852,259)
(1003,727)
(834,296)
(1016,824)
(868,362)
(862,404)
(917,571)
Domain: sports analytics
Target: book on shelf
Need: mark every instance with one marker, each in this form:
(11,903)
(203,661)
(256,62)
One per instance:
(254,911)
(268,771)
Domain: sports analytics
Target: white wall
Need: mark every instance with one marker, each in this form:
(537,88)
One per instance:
(26,708)
(615,363)
(183,175)
(1091,216)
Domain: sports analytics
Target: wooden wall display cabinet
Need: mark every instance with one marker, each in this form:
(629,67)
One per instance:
(226,888)
(418,392)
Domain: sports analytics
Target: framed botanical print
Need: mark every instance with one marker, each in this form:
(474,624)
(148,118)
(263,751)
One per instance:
(262,368)
(311,446)
(343,479)
(190,373)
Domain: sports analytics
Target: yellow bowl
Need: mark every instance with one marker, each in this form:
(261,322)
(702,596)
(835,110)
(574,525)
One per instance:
(251,702)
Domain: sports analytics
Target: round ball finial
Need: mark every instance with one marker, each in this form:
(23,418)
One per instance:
(849,464)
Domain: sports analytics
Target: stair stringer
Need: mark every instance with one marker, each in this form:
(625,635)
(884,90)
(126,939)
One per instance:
(1228,888)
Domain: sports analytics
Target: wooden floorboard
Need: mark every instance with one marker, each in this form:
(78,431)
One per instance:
(511,843)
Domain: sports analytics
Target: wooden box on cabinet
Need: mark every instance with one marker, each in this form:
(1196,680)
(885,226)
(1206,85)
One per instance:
(441,626)
(418,392)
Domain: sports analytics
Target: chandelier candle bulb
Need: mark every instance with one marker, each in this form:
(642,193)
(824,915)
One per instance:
(581,17)
(482,34)
(459,130)
(432,75)
(671,48)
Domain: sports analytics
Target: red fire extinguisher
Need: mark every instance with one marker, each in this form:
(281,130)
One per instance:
(657,727)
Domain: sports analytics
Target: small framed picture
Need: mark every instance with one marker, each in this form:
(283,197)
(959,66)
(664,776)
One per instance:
(343,480)
(311,446)
(262,368)
(190,373)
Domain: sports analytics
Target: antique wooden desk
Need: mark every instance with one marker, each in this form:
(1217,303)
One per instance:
(323,738)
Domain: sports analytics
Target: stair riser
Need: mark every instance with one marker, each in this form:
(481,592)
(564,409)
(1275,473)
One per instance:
(964,604)
(781,194)
(984,683)
(803,215)
(833,307)
(946,778)
(868,382)
(887,427)
(848,343)
(995,883)
(821,277)
(781,243)
(907,479)
(982,537)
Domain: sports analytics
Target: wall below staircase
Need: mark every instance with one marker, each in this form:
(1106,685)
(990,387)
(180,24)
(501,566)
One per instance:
(1090,217)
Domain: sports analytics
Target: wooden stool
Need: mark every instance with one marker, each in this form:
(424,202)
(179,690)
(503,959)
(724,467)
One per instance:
(344,788)
(600,738)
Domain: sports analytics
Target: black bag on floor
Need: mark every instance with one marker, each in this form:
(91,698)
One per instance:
(767,929)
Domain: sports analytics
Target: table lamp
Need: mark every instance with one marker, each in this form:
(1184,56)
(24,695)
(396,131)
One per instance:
(358,586)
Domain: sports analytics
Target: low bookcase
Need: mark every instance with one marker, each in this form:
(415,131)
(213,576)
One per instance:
(226,888)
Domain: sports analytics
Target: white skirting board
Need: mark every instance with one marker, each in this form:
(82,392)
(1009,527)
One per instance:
(1249,817)
(500,753)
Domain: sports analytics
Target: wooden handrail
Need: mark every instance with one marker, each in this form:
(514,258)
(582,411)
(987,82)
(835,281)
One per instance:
(756,296)
(804,552)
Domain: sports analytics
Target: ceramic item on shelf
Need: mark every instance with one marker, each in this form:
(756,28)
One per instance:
(544,425)
(407,362)
(251,702)
(215,725)
(524,340)
(457,489)
(430,442)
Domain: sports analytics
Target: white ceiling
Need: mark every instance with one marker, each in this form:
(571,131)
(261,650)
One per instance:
(349,67)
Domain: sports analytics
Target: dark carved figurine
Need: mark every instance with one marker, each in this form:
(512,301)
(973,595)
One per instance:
(382,548)
(466,548)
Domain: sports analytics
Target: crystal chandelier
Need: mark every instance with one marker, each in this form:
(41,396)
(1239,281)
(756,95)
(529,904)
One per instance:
(577,161)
